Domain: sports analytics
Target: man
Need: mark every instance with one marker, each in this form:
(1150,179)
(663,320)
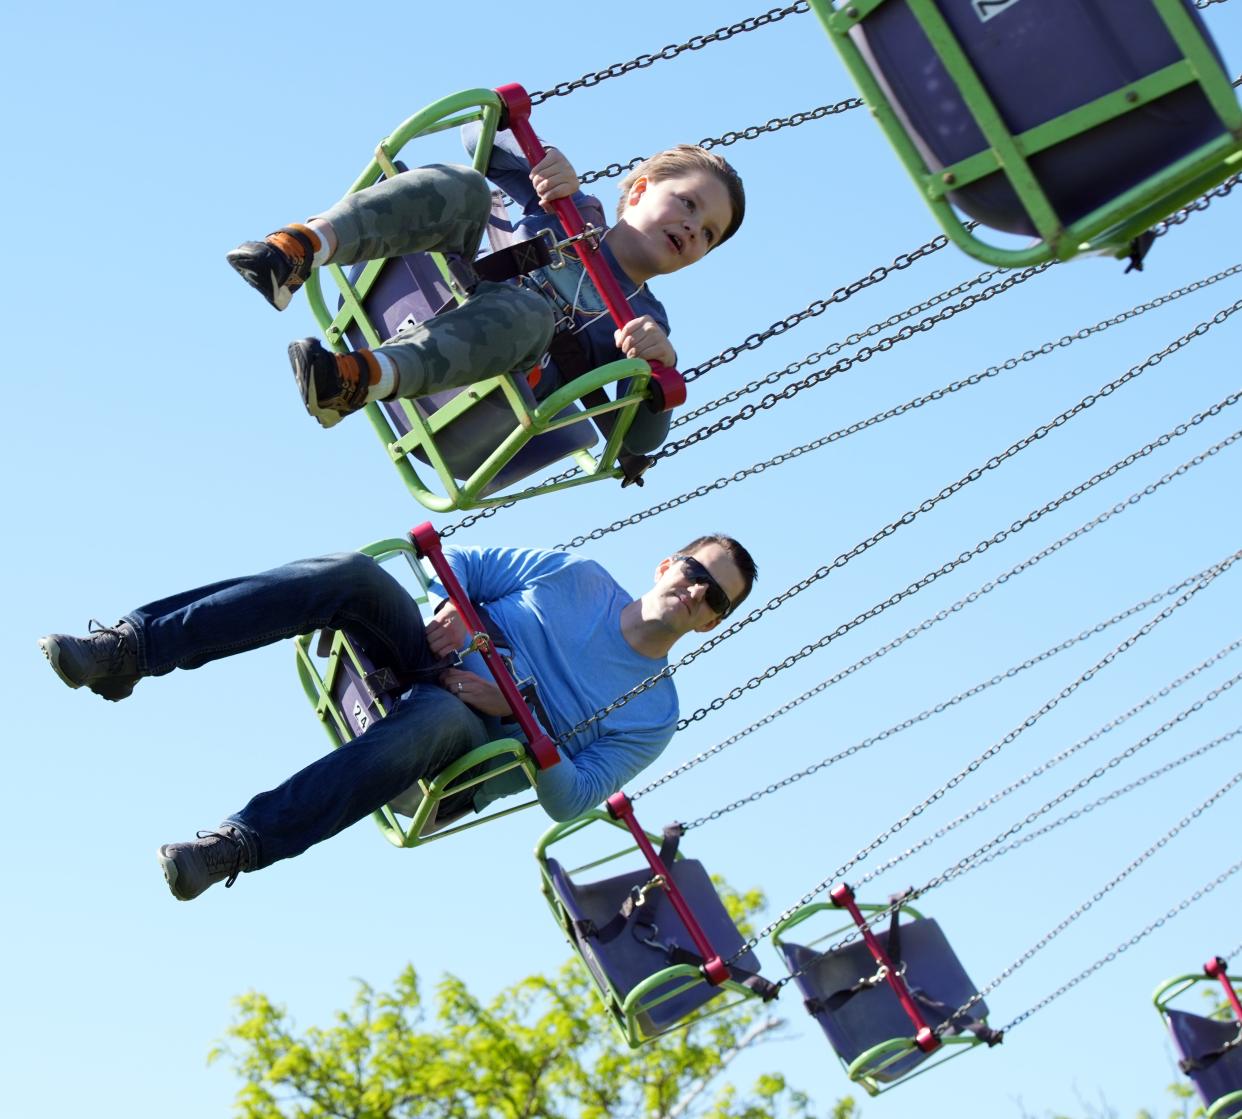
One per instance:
(569,625)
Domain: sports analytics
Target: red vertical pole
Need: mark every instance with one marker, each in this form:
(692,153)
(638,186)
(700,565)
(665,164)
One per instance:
(543,749)
(714,967)
(924,1037)
(517,104)
(1216,969)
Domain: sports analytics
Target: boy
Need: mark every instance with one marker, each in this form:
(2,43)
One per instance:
(675,208)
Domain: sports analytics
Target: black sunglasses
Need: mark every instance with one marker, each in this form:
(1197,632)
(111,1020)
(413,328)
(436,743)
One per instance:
(698,575)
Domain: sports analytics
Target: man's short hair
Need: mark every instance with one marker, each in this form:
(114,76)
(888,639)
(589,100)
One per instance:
(690,157)
(742,559)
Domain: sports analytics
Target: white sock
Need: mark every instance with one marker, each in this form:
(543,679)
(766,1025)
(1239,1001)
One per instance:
(327,241)
(387,383)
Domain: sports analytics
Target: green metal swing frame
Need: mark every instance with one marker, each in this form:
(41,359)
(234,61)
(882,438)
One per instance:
(468,771)
(630,375)
(1166,993)
(1111,227)
(862,1070)
(624,1010)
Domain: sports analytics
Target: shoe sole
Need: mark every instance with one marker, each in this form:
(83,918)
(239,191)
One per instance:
(169,867)
(276,294)
(303,372)
(51,650)
(114,694)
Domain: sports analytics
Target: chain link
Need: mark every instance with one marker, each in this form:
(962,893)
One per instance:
(911,515)
(992,848)
(1201,4)
(751,132)
(927,623)
(979,761)
(1090,903)
(945,705)
(1179,217)
(1125,945)
(794,453)
(671,51)
(863,354)
(817,307)
(1099,802)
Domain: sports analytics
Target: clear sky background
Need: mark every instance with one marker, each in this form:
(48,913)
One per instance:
(154,441)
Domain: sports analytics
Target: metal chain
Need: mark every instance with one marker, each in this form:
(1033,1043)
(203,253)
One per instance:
(751,132)
(1179,217)
(962,559)
(1201,4)
(1175,219)
(976,763)
(961,697)
(927,623)
(863,354)
(1107,798)
(816,308)
(1090,903)
(694,43)
(989,849)
(834,348)
(794,453)
(911,515)
(1125,945)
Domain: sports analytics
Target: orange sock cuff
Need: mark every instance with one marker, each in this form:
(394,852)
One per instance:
(370,366)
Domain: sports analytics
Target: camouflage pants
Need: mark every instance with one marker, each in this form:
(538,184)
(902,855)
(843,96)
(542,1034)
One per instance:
(444,208)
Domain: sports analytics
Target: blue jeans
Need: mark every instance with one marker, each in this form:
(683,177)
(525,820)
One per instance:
(425,731)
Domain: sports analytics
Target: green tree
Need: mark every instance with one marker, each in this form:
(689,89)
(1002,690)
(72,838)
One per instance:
(541,1049)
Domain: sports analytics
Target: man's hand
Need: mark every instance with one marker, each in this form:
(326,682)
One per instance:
(446,632)
(553,177)
(643,338)
(474,691)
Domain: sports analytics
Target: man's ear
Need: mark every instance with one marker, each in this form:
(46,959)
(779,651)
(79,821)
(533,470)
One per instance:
(662,567)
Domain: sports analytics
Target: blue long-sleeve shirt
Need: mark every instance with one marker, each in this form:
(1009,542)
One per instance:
(562,617)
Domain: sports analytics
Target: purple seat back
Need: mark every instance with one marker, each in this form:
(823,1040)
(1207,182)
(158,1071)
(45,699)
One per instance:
(1038,60)
(874,1015)
(1195,1036)
(410,289)
(625,961)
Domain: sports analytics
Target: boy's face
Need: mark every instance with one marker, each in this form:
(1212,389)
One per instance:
(670,223)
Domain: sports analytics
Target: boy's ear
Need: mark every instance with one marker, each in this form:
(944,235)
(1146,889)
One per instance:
(637,188)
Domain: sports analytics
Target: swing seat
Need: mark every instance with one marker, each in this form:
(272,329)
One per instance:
(646,991)
(411,289)
(869,1030)
(1219,1083)
(1210,1048)
(348,694)
(1080,122)
(485,438)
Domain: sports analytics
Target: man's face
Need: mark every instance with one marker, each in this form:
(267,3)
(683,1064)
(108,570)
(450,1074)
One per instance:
(682,590)
(670,223)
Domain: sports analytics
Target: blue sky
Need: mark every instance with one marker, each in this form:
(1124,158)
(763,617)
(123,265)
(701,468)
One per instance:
(156,442)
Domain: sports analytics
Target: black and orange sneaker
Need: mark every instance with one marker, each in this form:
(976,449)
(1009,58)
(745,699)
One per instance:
(278,265)
(332,385)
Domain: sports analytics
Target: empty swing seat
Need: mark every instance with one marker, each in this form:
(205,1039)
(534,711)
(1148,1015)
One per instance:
(1211,1052)
(1093,107)
(858,1024)
(644,961)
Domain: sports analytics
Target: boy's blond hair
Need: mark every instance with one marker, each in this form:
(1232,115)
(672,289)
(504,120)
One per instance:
(690,157)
